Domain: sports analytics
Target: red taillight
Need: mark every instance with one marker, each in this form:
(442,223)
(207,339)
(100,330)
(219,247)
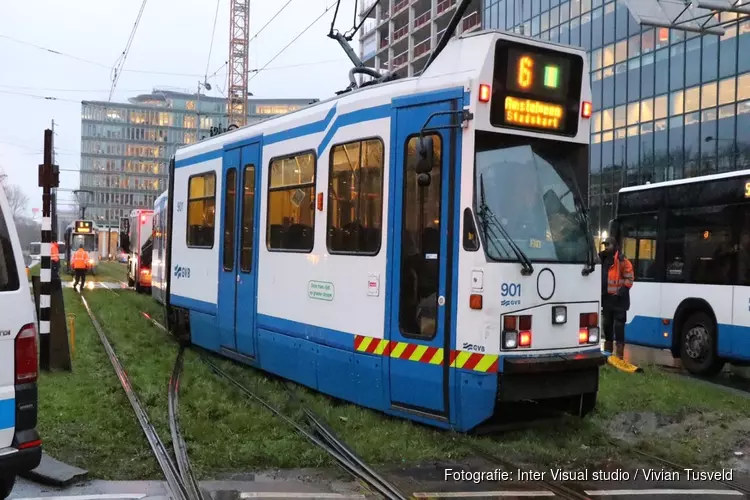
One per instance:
(509,323)
(524,339)
(484,93)
(143,219)
(524,322)
(586,110)
(27,362)
(583,335)
(30,444)
(145,271)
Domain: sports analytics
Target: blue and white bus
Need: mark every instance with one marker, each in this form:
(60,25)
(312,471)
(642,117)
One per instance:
(689,241)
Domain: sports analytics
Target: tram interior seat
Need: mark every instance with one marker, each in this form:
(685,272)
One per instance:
(293,237)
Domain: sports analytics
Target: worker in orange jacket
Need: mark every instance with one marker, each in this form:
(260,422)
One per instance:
(80,264)
(55,258)
(617,280)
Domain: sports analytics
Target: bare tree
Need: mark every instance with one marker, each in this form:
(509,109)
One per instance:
(17,200)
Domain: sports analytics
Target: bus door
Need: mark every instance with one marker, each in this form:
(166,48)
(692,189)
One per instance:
(421,217)
(238,252)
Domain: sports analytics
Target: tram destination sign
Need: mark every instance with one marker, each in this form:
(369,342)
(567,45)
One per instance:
(83,226)
(536,89)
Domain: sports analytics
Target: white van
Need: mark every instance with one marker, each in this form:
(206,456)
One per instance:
(20,446)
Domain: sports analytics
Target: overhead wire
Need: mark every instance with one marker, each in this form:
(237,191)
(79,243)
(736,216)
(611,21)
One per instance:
(211,47)
(270,20)
(53,51)
(293,40)
(116,69)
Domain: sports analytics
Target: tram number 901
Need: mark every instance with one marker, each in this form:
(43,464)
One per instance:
(510,289)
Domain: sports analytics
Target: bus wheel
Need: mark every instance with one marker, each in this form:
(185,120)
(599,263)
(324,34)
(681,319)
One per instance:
(698,346)
(6,485)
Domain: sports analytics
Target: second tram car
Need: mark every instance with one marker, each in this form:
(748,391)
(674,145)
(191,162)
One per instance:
(158,268)
(139,256)
(86,233)
(420,247)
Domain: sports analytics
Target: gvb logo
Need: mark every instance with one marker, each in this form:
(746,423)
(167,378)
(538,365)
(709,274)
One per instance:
(181,272)
(510,290)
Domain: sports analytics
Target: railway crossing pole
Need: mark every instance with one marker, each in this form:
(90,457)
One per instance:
(53,334)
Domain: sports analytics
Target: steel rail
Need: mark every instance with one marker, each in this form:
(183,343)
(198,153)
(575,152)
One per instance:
(174,483)
(178,442)
(558,489)
(346,462)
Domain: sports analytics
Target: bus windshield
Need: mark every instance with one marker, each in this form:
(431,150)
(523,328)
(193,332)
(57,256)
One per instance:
(87,240)
(527,186)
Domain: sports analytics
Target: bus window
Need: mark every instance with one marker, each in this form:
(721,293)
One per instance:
(639,244)
(699,246)
(743,251)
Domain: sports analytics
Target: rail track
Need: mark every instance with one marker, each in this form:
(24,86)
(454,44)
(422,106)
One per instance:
(180,480)
(316,431)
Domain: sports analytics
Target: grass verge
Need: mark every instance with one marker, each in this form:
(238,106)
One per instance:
(226,432)
(107,271)
(84,415)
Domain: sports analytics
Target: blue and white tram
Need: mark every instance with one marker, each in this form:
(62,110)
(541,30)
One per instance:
(159,234)
(418,247)
(86,233)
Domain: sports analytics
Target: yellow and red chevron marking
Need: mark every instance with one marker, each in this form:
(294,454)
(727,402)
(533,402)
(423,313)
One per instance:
(423,354)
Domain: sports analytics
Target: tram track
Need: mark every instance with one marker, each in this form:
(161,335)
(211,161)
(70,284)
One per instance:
(180,480)
(317,431)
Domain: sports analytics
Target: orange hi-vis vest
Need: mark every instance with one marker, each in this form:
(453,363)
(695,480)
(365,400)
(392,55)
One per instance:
(54,252)
(620,274)
(80,259)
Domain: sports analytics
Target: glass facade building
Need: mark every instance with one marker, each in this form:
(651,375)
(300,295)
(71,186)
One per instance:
(125,148)
(668,104)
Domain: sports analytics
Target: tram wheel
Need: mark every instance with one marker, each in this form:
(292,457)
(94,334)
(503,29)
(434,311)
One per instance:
(698,345)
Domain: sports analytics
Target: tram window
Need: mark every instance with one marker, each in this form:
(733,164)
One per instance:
(355,197)
(291,203)
(201,210)
(420,245)
(230,204)
(248,219)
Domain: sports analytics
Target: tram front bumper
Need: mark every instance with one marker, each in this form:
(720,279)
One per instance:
(551,376)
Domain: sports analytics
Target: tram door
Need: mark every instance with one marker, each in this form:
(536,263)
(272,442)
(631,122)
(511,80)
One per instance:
(421,252)
(237,253)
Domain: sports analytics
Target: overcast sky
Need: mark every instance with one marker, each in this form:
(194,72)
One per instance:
(170,49)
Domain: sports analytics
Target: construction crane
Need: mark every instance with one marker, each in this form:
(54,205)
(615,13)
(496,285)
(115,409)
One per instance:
(239,31)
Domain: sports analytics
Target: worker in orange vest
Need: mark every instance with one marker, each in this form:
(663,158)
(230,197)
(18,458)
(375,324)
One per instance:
(55,257)
(80,264)
(617,280)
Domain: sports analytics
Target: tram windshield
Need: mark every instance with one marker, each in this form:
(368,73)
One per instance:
(35,248)
(87,240)
(527,187)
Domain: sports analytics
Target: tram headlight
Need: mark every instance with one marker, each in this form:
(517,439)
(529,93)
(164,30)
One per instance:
(510,340)
(593,335)
(559,315)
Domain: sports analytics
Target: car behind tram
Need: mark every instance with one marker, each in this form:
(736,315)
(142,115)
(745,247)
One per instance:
(86,233)
(689,241)
(419,247)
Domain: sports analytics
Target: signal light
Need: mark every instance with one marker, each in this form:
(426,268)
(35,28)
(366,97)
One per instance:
(484,93)
(143,219)
(586,109)
(475,301)
(583,335)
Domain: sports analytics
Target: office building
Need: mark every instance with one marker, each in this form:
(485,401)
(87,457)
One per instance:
(125,148)
(399,35)
(668,103)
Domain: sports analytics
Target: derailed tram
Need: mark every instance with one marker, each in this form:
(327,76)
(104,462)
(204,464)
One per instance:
(417,246)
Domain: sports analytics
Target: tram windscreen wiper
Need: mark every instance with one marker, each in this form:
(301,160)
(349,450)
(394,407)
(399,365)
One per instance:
(489,220)
(583,218)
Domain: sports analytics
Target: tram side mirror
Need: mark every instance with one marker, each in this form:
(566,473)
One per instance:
(425,156)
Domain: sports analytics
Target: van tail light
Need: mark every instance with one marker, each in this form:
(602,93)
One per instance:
(516,332)
(27,361)
(588,328)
